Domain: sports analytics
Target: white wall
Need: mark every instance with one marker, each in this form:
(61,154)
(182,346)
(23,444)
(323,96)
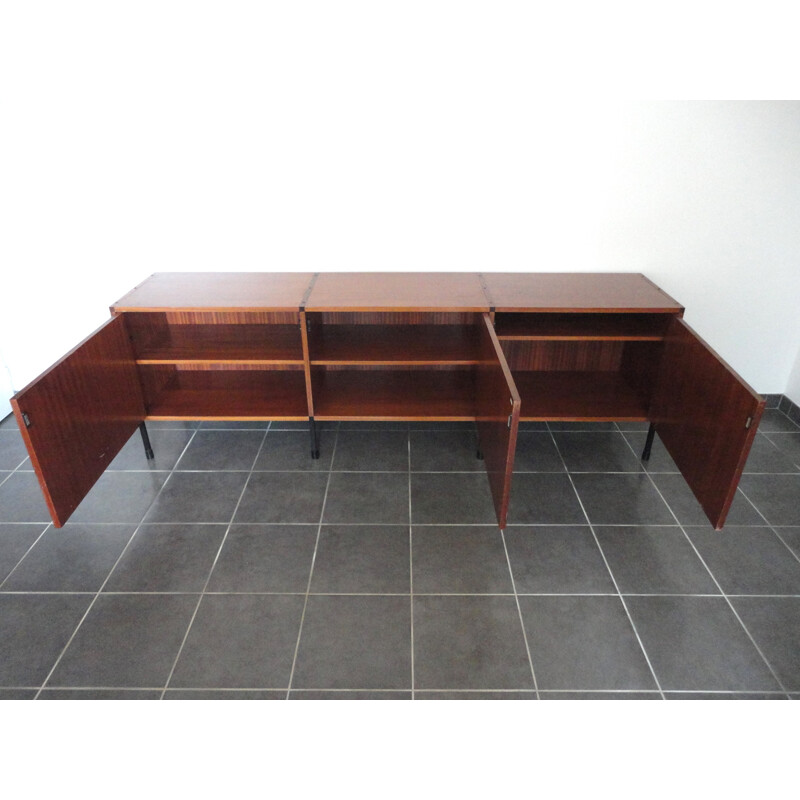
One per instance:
(793,386)
(314,137)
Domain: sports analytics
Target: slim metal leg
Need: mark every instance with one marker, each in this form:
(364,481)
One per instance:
(148,449)
(312,429)
(648,444)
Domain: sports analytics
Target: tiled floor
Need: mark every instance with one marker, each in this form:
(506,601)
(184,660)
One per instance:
(235,566)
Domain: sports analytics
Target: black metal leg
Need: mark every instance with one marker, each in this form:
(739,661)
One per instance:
(479,454)
(148,449)
(312,429)
(651,432)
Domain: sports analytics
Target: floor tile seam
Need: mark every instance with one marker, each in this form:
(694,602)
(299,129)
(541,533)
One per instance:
(108,577)
(311,569)
(214,563)
(612,576)
(24,556)
(519,614)
(411,569)
(757,509)
(719,586)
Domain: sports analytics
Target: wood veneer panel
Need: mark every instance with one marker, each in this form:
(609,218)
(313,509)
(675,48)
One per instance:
(576,291)
(386,394)
(563,356)
(582,326)
(397,291)
(497,418)
(394,344)
(230,394)
(255,344)
(217,291)
(584,395)
(81,411)
(706,416)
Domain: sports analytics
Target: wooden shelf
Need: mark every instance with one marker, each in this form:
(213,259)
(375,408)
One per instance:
(581,327)
(570,396)
(410,345)
(225,344)
(233,395)
(438,394)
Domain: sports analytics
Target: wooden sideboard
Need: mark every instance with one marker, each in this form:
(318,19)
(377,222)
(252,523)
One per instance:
(490,348)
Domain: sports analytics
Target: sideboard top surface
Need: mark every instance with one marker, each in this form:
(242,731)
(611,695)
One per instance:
(218,291)
(397,291)
(576,291)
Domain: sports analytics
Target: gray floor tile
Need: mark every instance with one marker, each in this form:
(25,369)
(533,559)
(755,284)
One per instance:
(241,425)
(766,457)
(774,420)
(443,451)
(225,694)
(240,641)
(362,559)
(791,536)
(561,559)
(579,642)
(283,497)
(550,695)
(377,451)
(788,444)
(654,560)
(198,497)
(167,444)
(18,694)
(34,629)
(469,642)
(126,641)
(600,451)
(451,498)
(688,510)
(75,558)
(696,643)
(544,499)
(355,642)
(660,460)
(611,499)
(12,450)
(537,452)
(15,541)
(8,423)
(21,499)
(265,558)
(777,497)
(346,694)
(290,450)
(475,695)
(167,558)
(100,694)
(748,560)
(774,624)
(369,497)
(725,696)
(221,450)
(452,560)
(120,497)
(581,426)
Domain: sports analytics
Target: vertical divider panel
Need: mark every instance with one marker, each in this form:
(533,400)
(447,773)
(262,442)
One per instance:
(307,361)
(497,409)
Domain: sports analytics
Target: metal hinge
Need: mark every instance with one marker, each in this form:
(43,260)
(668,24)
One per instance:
(748,423)
(308,325)
(509,421)
(26,419)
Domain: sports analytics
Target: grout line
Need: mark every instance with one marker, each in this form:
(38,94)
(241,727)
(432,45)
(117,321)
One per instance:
(611,574)
(519,612)
(110,573)
(716,582)
(311,571)
(22,558)
(213,564)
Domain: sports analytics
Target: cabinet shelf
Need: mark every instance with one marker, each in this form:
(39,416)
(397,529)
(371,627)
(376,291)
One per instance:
(408,345)
(438,394)
(231,394)
(581,327)
(581,395)
(225,344)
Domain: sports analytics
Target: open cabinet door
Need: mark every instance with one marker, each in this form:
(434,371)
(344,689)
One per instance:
(77,416)
(497,417)
(707,416)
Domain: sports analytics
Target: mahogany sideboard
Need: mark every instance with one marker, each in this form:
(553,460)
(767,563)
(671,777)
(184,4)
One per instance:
(490,348)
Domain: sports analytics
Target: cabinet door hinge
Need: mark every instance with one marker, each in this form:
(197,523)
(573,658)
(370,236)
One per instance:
(510,416)
(748,423)
(26,419)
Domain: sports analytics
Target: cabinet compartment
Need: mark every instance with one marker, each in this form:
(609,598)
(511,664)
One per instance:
(223,392)
(583,326)
(584,380)
(221,337)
